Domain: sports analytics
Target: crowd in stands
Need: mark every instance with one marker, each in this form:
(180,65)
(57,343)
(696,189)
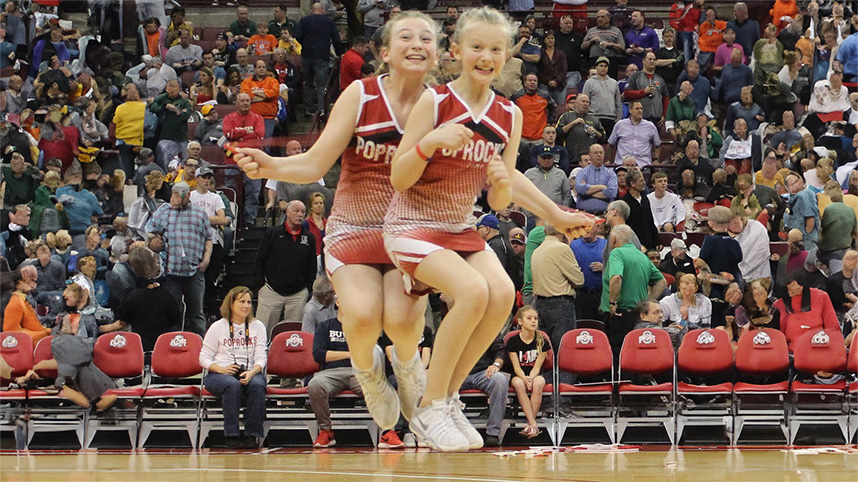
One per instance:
(113,218)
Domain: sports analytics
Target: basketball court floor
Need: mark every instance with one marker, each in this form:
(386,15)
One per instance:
(646,463)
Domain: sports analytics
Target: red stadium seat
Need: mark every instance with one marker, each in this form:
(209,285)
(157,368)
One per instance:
(761,353)
(50,412)
(176,356)
(852,367)
(814,403)
(646,353)
(16,348)
(704,353)
(586,352)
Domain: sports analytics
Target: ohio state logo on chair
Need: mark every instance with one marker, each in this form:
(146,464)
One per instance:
(705,338)
(179,341)
(295,341)
(646,338)
(762,338)
(821,338)
(118,341)
(10,342)
(584,338)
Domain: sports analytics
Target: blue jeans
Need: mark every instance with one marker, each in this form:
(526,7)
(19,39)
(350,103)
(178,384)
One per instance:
(230,391)
(556,317)
(315,80)
(497,388)
(252,188)
(192,288)
(573,78)
(687,41)
(126,159)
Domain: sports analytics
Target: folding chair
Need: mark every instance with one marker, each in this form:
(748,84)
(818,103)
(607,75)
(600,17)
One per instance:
(813,403)
(704,353)
(761,353)
(283,327)
(290,356)
(550,375)
(852,367)
(645,353)
(17,350)
(171,406)
(49,412)
(591,324)
(586,353)
(120,356)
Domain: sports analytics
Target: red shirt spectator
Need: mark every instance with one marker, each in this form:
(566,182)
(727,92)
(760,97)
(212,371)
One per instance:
(810,309)
(243,124)
(61,143)
(352,62)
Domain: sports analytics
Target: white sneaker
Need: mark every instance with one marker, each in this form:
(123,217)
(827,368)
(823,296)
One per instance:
(411,380)
(460,421)
(381,399)
(434,426)
(410,440)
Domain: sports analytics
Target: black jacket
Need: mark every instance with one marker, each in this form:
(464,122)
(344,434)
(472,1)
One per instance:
(286,264)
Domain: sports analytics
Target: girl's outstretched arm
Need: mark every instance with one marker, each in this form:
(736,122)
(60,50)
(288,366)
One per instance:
(312,165)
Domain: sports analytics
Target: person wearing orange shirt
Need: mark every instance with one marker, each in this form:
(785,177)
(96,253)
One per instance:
(536,106)
(711,36)
(264,90)
(19,314)
(263,43)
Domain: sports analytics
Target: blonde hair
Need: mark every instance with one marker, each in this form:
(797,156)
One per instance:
(52,180)
(487,15)
(719,176)
(154,181)
(824,168)
(519,315)
(117,181)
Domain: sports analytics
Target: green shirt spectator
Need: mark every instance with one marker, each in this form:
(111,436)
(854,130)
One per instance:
(637,273)
(534,240)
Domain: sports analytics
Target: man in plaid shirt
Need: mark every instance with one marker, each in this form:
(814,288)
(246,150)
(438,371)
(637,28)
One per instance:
(185,229)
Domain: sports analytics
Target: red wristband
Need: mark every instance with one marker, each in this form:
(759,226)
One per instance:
(420,153)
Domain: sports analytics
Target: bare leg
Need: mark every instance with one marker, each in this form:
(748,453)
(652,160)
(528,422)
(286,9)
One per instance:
(75,396)
(447,271)
(105,402)
(359,292)
(523,399)
(5,369)
(536,396)
(501,297)
(403,316)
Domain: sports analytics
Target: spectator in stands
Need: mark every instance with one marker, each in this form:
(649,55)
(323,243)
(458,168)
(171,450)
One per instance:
(768,53)
(743,150)
(794,260)
(830,100)
(288,44)
(746,31)
(517,243)
(352,62)
(224,52)
(784,8)
(580,128)
(331,352)
(769,175)
(79,205)
(804,309)
(552,69)
(536,106)
(177,22)
(15,99)
(280,22)
(245,126)
(321,307)
(840,288)
(596,184)
(487,377)
(19,314)
(549,139)
(640,217)
(702,87)
(242,64)
(174,111)
(51,272)
(838,227)
(285,268)
(721,189)
(152,38)
(210,128)
(668,210)
(550,180)
(636,136)
(789,136)
(568,41)
(640,39)
(721,252)
(185,229)
(205,90)
(711,36)
(725,50)
(16,30)
(803,210)
(754,241)
(745,203)
(669,60)
(629,278)
(527,48)
(264,92)
(150,310)
(205,198)
(235,354)
(604,40)
(262,43)
(604,94)
(373,12)
(680,117)
(21,180)
(687,308)
(677,261)
(317,34)
(734,76)
(746,109)
(488,227)
(588,252)
(184,57)
(242,28)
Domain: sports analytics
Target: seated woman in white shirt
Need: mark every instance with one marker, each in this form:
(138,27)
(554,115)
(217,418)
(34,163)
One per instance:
(687,308)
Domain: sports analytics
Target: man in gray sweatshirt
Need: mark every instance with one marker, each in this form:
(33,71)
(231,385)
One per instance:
(604,93)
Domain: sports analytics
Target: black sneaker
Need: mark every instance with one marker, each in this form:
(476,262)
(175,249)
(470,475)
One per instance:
(252,443)
(491,441)
(234,442)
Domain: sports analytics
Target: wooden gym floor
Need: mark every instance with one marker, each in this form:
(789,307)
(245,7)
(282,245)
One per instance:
(658,464)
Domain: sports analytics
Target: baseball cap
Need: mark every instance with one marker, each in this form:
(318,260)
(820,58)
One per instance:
(546,152)
(621,169)
(571,97)
(204,171)
(575,172)
(678,244)
(207,109)
(489,221)
(603,59)
(221,35)
(182,188)
(518,238)
(144,153)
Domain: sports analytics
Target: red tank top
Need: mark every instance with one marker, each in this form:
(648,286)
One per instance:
(443,198)
(364,191)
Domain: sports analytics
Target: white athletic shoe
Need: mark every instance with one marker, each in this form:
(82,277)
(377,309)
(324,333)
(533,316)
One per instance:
(411,381)
(410,440)
(381,399)
(434,426)
(475,440)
